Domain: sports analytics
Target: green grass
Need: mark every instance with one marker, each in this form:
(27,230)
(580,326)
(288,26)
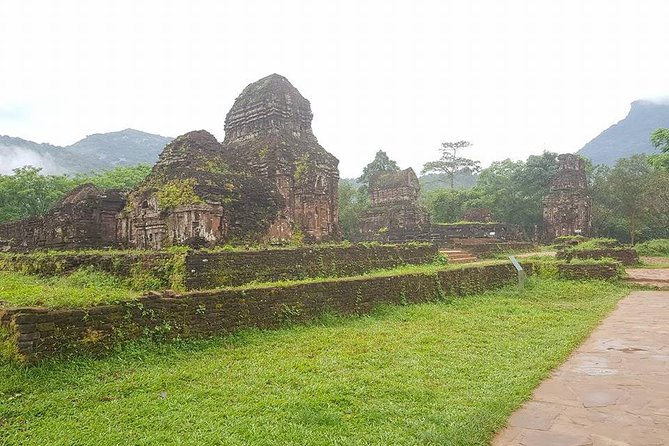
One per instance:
(222,248)
(86,287)
(597,243)
(446,373)
(654,248)
(83,287)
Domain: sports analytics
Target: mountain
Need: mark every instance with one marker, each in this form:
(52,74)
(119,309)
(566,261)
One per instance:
(629,136)
(100,151)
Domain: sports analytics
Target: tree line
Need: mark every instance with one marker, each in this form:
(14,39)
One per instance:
(630,199)
(27,192)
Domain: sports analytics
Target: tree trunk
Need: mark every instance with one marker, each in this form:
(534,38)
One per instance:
(632,228)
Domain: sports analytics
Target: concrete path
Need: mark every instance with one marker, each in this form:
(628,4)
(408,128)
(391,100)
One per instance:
(613,390)
(658,277)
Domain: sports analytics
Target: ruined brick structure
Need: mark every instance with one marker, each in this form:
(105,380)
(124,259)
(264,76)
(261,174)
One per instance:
(479,215)
(395,216)
(269,129)
(268,181)
(84,218)
(194,196)
(394,205)
(568,207)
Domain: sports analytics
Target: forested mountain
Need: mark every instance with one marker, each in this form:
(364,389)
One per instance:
(629,136)
(100,151)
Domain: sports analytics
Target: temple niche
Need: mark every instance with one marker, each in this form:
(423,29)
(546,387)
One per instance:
(269,130)
(568,207)
(394,206)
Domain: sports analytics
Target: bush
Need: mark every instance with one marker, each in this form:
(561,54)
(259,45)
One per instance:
(658,247)
(596,243)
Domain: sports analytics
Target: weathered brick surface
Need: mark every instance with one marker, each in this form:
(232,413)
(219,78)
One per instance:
(206,270)
(117,263)
(211,270)
(445,235)
(40,333)
(568,207)
(626,256)
(84,218)
(572,271)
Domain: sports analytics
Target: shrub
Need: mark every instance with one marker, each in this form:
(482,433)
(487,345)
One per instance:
(597,243)
(658,247)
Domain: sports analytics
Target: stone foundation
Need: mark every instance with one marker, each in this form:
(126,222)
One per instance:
(206,270)
(626,256)
(32,334)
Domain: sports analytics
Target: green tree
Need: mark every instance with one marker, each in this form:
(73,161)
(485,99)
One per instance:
(450,164)
(27,192)
(353,201)
(513,190)
(660,140)
(381,163)
(631,200)
(448,205)
(626,192)
(121,177)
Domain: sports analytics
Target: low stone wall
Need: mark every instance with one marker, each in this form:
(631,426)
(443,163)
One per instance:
(626,256)
(55,263)
(443,235)
(502,231)
(574,271)
(211,270)
(482,247)
(31,334)
(206,270)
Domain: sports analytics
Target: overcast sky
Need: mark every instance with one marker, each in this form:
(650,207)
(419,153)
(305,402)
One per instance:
(512,77)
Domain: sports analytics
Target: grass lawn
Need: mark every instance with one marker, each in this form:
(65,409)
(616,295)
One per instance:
(444,373)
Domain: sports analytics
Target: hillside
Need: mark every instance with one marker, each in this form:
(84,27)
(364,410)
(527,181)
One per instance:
(95,152)
(629,136)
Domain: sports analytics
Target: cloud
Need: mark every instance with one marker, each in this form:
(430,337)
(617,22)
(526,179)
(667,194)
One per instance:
(13,113)
(661,100)
(12,157)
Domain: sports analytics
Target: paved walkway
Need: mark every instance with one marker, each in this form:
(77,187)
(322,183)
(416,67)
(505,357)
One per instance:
(652,277)
(613,390)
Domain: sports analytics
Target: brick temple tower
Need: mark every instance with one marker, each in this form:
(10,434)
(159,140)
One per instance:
(269,128)
(568,207)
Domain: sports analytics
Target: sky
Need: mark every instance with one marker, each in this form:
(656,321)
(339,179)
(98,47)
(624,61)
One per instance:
(513,77)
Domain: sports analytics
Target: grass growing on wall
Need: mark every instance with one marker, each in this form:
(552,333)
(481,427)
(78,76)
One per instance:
(82,288)
(86,287)
(428,374)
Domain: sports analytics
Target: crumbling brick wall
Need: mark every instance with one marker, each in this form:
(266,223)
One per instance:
(32,334)
(84,218)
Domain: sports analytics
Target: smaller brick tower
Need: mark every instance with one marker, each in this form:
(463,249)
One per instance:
(568,207)
(394,209)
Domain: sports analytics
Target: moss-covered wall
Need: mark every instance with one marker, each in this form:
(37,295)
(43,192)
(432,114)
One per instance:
(626,256)
(188,270)
(42,333)
(210,270)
